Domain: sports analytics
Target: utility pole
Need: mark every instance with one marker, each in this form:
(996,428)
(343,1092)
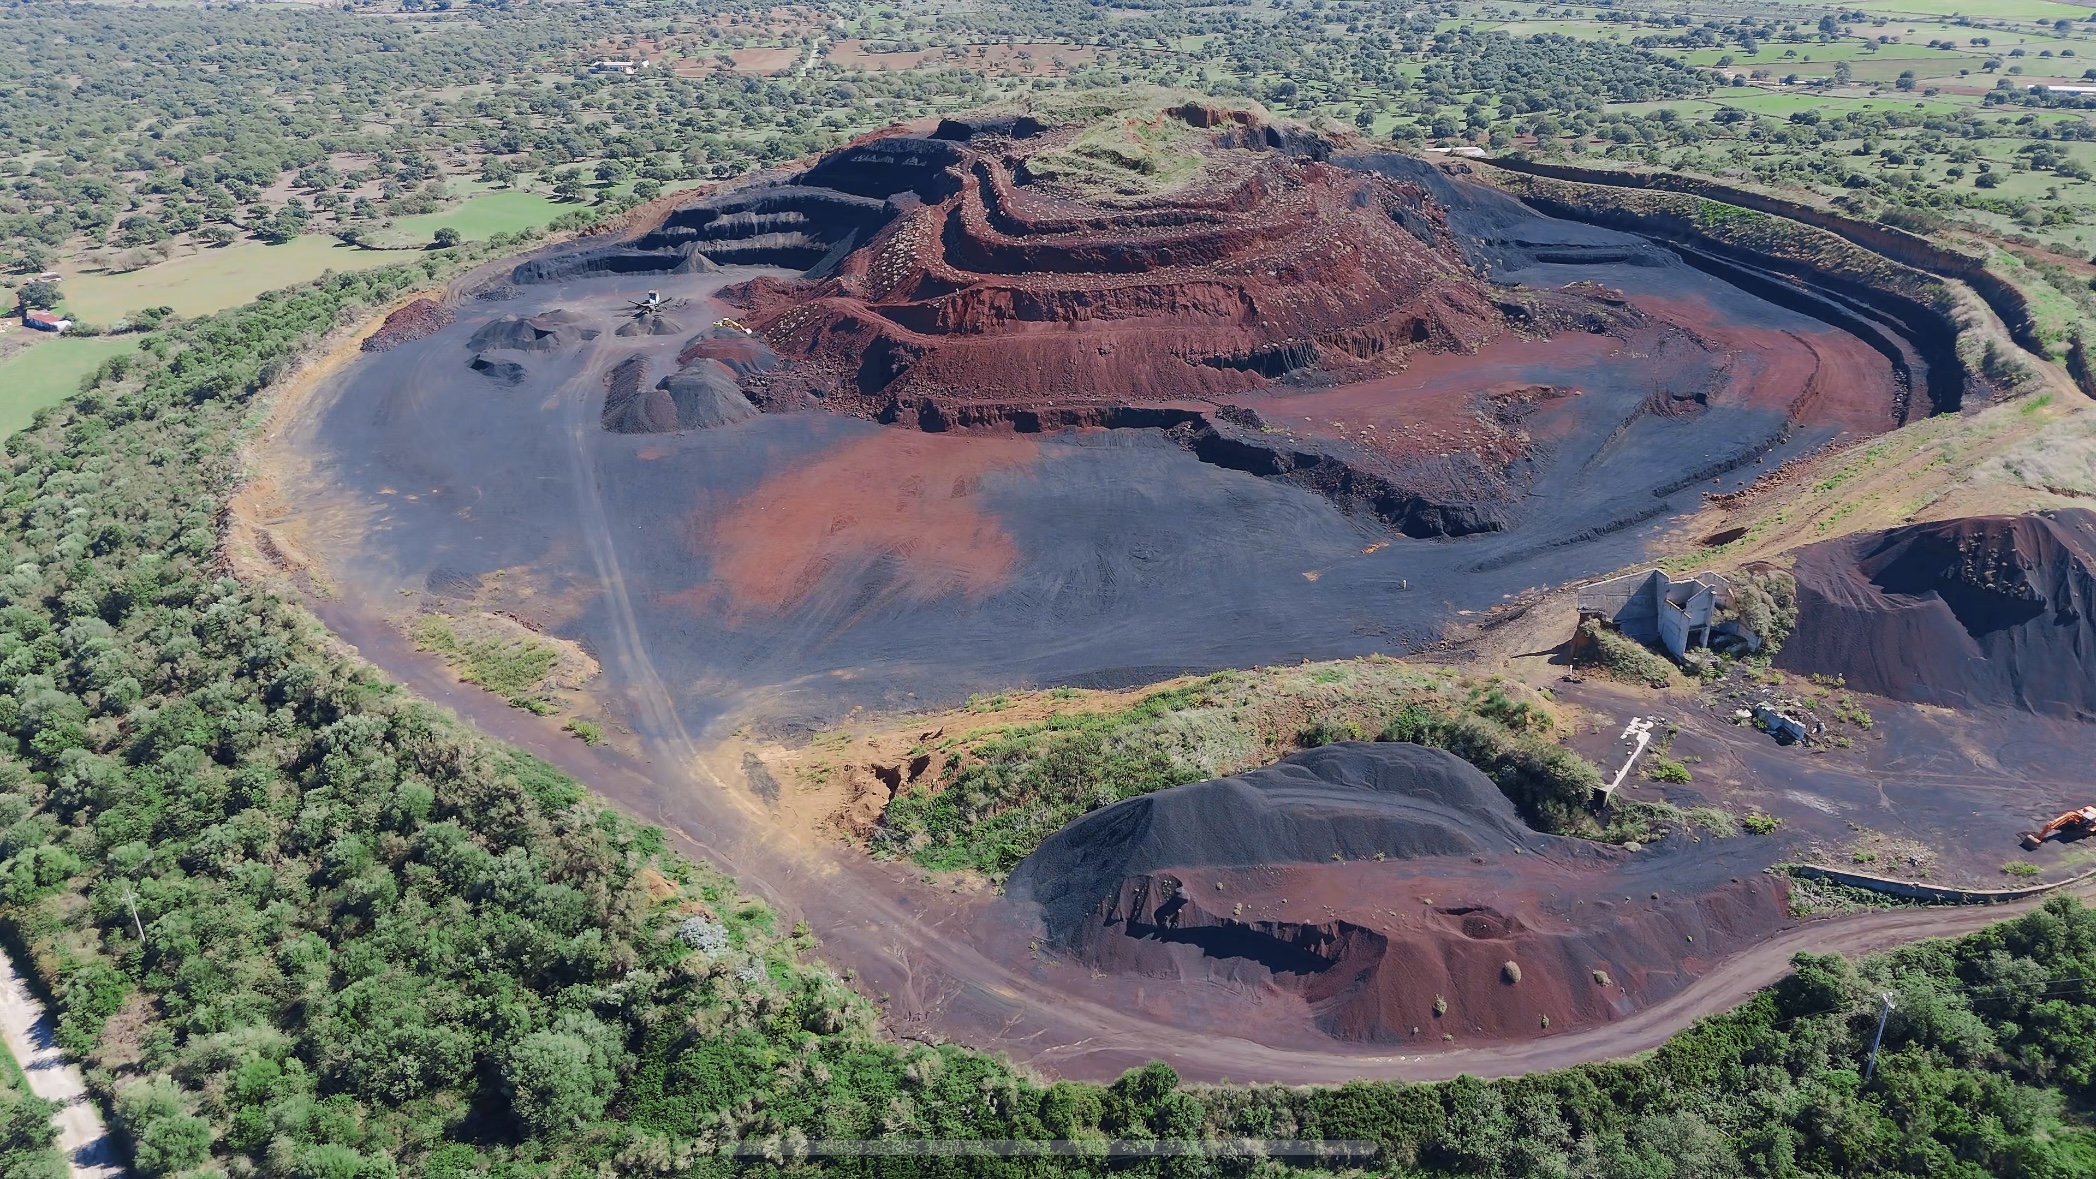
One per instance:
(1884,1013)
(131,899)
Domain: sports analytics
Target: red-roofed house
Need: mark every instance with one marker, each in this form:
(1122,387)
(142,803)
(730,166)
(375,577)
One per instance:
(46,321)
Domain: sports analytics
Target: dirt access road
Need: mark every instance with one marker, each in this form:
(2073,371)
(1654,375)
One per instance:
(921,954)
(940,987)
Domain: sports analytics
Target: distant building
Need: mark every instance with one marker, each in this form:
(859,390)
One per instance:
(1656,610)
(618,67)
(46,321)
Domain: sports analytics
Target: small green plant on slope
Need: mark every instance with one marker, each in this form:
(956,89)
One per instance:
(1621,657)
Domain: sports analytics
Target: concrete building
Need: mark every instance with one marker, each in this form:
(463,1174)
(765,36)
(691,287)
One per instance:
(1656,610)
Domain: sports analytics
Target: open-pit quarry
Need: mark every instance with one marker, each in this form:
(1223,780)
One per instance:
(1013,403)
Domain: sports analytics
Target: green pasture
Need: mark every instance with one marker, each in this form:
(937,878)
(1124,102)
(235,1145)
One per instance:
(208,280)
(49,371)
(483,216)
(214,279)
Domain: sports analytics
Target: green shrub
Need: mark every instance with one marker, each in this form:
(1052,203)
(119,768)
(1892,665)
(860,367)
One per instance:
(1549,784)
(999,808)
(1328,733)
(1766,602)
(511,667)
(1621,657)
(1664,769)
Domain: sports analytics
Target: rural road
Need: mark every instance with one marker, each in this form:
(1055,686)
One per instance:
(33,1041)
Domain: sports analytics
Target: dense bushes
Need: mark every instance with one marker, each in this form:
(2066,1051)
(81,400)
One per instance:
(1617,655)
(27,1138)
(1020,787)
(292,919)
(1551,785)
(1766,602)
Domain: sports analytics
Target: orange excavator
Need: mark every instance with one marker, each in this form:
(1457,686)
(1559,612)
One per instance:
(2080,822)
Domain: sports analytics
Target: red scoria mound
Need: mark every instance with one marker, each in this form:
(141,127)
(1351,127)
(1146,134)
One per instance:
(1003,300)
(423,317)
(1379,892)
(1387,952)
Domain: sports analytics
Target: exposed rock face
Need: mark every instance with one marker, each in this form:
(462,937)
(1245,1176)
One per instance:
(985,286)
(1320,321)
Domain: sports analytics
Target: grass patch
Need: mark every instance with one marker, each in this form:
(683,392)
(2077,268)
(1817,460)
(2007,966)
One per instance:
(1666,769)
(1125,155)
(2022,869)
(1638,823)
(1814,897)
(510,666)
(481,217)
(44,374)
(215,279)
(1620,657)
(11,1075)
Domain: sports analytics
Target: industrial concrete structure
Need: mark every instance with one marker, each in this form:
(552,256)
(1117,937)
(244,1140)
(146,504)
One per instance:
(1656,610)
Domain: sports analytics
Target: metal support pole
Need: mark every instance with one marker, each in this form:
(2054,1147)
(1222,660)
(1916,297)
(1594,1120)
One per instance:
(131,899)
(1884,1013)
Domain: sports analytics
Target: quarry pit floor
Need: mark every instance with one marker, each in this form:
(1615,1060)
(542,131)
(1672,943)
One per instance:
(781,576)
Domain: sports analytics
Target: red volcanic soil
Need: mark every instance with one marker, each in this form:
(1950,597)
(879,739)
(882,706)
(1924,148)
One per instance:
(1488,403)
(1378,943)
(1351,887)
(1990,610)
(1822,375)
(1480,404)
(1000,293)
(909,502)
(423,317)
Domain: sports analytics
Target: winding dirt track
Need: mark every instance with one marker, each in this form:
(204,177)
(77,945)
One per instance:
(936,981)
(913,952)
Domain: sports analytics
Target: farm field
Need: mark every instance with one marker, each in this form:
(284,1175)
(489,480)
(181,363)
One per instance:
(214,279)
(48,372)
(483,215)
(210,280)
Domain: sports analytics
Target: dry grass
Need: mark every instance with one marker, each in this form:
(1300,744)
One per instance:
(507,658)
